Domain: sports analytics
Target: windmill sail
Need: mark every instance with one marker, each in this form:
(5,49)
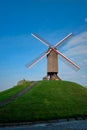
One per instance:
(52,57)
(37,60)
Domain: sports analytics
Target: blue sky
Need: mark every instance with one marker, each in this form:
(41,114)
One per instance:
(52,20)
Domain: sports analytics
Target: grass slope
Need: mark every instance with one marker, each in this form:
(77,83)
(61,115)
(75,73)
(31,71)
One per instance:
(47,100)
(12,91)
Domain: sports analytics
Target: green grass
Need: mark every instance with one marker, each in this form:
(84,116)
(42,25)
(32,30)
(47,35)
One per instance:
(47,100)
(12,91)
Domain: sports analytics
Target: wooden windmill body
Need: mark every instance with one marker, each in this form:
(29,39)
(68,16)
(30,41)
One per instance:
(52,58)
(52,65)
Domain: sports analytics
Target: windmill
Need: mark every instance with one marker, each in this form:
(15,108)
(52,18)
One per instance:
(52,58)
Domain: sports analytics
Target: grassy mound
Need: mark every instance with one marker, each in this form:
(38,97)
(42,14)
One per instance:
(12,91)
(47,100)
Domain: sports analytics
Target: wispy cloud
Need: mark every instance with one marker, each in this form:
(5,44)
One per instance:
(85,19)
(77,45)
(79,39)
(77,51)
